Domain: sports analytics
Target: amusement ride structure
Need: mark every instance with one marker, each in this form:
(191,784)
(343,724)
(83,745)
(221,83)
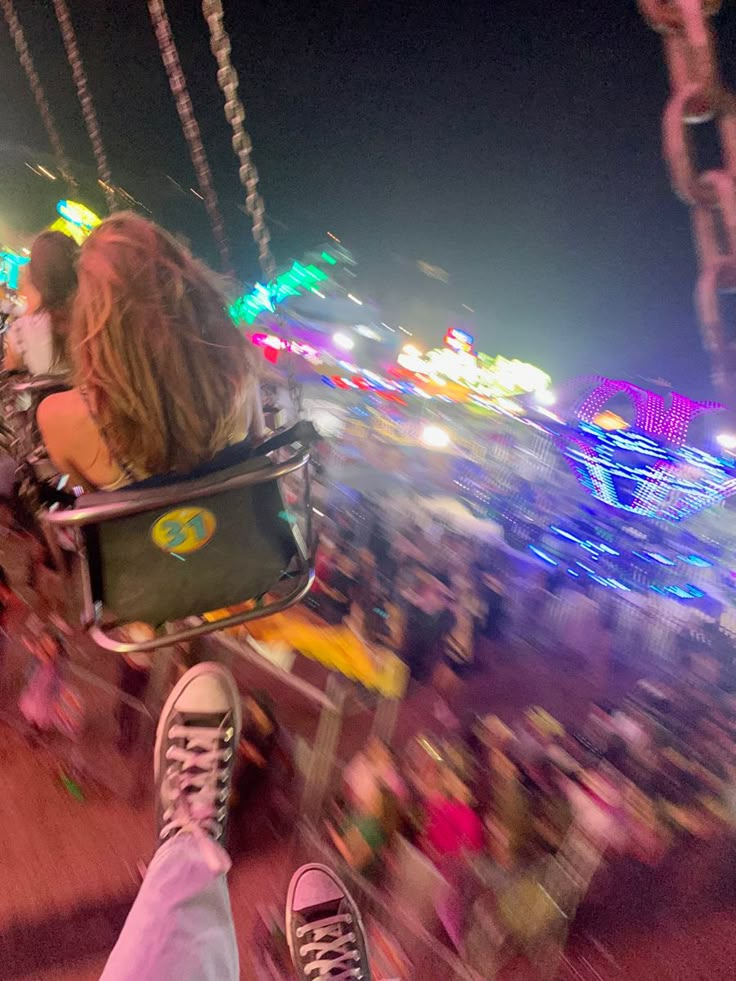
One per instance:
(306,310)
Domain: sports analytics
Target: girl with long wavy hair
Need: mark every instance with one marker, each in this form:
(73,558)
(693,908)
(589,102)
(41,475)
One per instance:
(38,340)
(163,378)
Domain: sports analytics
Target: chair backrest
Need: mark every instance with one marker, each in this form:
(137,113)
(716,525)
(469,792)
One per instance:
(167,550)
(27,394)
(208,552)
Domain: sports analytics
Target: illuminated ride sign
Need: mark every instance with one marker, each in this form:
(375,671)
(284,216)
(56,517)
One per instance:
(10,265)
(296,281)
(459,340)
(648,469)
(458,364)
(273,345)
(75,220)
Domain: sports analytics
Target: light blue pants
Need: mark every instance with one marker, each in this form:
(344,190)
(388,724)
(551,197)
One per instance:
(180,927)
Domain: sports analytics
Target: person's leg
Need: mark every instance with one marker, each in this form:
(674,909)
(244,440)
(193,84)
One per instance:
(180,926)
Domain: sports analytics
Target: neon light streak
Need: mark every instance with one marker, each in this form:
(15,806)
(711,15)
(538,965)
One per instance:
(265,298)
(696,560)
(542,555)
(668,482)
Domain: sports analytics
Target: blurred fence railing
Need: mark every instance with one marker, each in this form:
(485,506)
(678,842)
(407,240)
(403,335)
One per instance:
(638,634)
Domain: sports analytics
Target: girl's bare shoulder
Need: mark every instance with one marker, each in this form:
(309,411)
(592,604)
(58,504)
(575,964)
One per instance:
(64,411)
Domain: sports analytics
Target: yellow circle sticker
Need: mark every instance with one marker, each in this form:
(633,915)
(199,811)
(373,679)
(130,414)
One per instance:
(184,530)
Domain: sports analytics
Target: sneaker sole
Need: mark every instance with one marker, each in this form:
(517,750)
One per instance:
(355,912)
(206,667)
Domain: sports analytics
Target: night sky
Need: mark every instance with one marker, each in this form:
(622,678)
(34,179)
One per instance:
(516,147)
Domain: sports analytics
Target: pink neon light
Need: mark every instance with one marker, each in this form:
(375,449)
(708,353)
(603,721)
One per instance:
(652,416)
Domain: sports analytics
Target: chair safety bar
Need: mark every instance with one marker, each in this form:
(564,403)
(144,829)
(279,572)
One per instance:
(40,383)
(167,496)
(119,646)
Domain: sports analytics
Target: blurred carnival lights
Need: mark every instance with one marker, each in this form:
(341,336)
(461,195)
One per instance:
(727,440)
(343,341)
(435,437)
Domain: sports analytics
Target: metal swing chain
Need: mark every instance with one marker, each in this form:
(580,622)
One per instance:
(699,96)
(85,99)
(227,79)
(26,60)
(190,126)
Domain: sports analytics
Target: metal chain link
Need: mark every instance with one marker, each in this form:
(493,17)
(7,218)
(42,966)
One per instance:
(21,46)
(227,79)
(190,126)
(698,96)
(85,99)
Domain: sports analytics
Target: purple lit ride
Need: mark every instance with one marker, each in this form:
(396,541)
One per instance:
(641,482)
(647,469)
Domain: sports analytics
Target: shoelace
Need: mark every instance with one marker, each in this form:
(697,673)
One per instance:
(329,937)
(192,783)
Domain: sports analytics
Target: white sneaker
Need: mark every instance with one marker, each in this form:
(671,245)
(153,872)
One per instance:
(196,743)
(323,928)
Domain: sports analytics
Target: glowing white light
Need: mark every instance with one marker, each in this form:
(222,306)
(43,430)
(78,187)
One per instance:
(355,299)
(317,292)
(343,341)
(727,440)
(545,397)
(435,437)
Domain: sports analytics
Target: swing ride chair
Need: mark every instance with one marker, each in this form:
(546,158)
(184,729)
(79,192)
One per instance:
(168,550)
(26,394)
(8,438)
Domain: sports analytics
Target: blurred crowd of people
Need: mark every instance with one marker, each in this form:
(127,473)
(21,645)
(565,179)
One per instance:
(467,826)
(491,809)
(430,595)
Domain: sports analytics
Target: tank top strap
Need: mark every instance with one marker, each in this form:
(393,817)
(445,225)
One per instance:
(127,474)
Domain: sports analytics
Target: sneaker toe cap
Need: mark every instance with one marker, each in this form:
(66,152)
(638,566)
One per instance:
(206,693)
(314,888)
